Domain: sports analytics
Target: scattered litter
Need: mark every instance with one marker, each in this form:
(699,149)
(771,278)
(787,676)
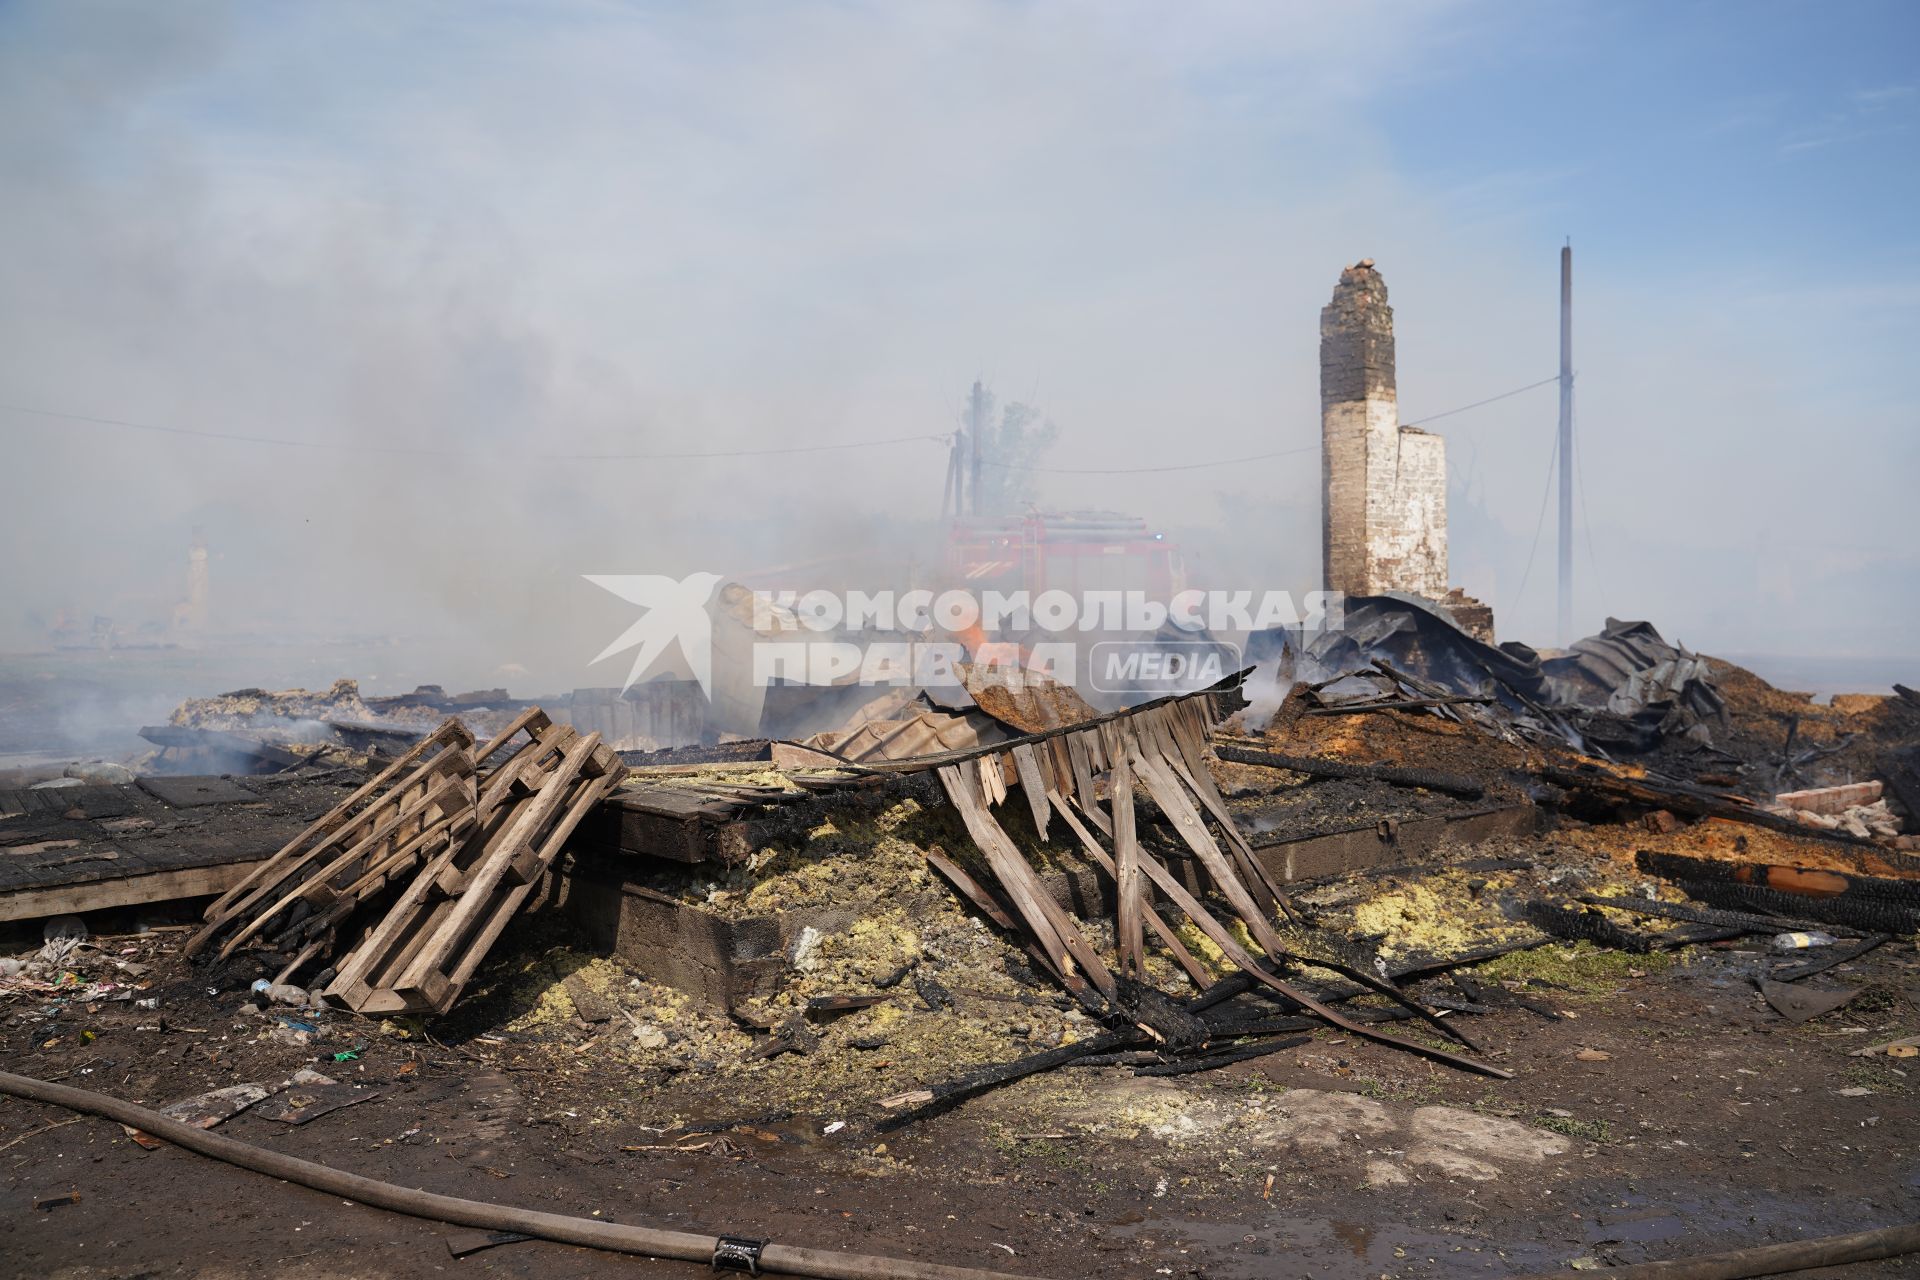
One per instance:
(315,1099)
(1801,941)
(462,1243)
(1800,1003)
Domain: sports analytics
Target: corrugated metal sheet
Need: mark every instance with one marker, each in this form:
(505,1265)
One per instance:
(929,733)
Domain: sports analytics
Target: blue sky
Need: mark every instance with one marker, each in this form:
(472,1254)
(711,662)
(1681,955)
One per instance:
(577,227)
(1778,137)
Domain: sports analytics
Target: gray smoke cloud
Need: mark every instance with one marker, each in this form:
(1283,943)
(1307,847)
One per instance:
(497,235)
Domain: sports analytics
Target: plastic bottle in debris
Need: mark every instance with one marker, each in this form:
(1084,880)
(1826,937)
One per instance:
(282,993)
(1801,941)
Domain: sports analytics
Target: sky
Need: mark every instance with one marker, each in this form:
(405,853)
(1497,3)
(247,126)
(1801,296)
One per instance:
(461,252)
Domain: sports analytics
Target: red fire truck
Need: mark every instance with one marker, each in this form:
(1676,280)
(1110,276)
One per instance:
(1073,551)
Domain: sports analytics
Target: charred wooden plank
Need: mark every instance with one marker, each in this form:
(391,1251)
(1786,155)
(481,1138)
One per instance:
(1744,921)
(1317,767)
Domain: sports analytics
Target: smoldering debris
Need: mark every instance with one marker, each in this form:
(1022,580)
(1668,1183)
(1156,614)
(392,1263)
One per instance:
(938,905)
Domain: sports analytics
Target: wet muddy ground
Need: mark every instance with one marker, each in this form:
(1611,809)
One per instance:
(1667,1112)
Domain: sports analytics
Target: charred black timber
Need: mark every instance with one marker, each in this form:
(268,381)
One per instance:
(1694,802)
(1315,767)
(1901,770)
(1242,983)
(1239,984)
(1743,921)
(1397,704)
(1130,1058)
(1586,925)
(953,1093)
(1128,1047)
(1854,913)
(1242,1053)
(1809,882)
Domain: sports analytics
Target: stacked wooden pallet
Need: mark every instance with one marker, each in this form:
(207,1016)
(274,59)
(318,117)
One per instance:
(396,895)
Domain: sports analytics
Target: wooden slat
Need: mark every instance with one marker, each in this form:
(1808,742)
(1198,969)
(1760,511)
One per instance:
(585,799)
(528,821)
(349,983)
(125,891)
(455,781)
(1035,786)
(1056,929)
(976,893)
(1196,973)
(1127,888)
(1172,731)
(327,828)
(1173,801)
(1222,938)
(532,719)
(1080,754)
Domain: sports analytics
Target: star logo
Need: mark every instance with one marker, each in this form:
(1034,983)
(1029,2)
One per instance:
(676,613)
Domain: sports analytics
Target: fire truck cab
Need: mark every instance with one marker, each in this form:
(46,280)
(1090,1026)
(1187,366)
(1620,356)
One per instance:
(1072,551)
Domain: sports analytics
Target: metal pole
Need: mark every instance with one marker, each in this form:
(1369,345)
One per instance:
(976,420)
(949,488)
(1566,446)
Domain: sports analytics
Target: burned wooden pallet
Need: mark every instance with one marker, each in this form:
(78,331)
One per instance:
(432,941)
(406,885)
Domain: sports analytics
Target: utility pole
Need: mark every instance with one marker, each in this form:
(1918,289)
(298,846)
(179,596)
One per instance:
(1566,446)
(950,488)
(976,422)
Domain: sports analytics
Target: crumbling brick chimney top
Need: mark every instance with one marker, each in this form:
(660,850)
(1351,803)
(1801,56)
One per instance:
(1356,339)
(1384,495)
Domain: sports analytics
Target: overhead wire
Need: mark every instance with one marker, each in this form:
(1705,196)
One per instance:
(1504,395)
(1538,524)
(1256,457)
(1586,522)
(690,455)
(1134,471)
(419,451)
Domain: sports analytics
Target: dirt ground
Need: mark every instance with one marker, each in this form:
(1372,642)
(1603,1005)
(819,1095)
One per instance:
(1710,1123)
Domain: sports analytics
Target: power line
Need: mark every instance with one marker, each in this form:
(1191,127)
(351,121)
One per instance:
(1538,524)
(417,452)
(1257,457)
(1135,471)
(1435,417)
(1586,519)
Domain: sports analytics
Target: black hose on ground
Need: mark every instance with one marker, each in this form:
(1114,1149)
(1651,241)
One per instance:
(590,1233)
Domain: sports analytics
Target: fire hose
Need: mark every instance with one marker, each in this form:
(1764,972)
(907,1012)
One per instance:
(737,1253)
(1769,1259)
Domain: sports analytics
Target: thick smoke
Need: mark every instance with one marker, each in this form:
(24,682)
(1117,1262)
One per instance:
(492,238)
